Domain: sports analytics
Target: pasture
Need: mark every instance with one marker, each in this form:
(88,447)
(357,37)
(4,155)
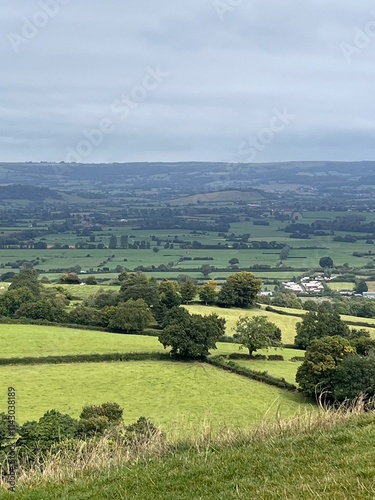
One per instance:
(178,396)
(287,324)
(37,341)
(282,369)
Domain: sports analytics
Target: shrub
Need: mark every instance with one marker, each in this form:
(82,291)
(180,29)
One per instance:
(275,357)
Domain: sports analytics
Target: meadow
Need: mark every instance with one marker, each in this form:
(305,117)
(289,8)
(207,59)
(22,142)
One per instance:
(180,397)
(282,369)
(37,341)
(287,324)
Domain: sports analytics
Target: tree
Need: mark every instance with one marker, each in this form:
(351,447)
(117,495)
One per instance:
(124,241)
(284,253)
(188,291)
(26,278)
(192,336)
(361,287)
(91,280)
(47,309)
(112,242)
(139,286)
(208,293)
(257,333)
(70,279)
(133,316)
(169,294)
(322,358)
(355,376)
(206,270)
(233,261)
(240,290)
(82,315)
(12,300)
(326,262)
(319,324)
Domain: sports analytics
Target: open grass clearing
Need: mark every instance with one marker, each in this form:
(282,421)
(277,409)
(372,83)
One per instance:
(177,396)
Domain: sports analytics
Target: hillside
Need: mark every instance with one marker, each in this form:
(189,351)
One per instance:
(326,462)
(30,193)
(251,195)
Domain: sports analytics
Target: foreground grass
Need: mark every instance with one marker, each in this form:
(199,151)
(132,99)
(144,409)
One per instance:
(325,460)
(176,396)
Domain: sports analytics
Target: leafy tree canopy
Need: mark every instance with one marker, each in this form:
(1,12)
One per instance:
(326,262)
(191,335)
(257,333)
(322,358)
(240,290)
(316,325)
(26,278)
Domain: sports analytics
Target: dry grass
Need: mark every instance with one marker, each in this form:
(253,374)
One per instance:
(79,459)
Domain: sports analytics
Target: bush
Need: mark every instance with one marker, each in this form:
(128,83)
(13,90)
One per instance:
(275,357)
(141,431)
(259,357)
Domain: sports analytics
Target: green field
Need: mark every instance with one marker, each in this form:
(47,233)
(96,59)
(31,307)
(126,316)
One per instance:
(281,369)
(287,324)
(36,341)
(175,395)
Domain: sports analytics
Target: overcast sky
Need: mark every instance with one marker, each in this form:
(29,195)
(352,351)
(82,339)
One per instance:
(215,80)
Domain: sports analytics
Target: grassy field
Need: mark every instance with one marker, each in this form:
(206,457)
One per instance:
(33,340)
(281,369)
(287,324)
(175,395)
(326,462)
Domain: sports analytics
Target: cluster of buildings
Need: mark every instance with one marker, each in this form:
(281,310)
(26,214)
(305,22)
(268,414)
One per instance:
(305,287)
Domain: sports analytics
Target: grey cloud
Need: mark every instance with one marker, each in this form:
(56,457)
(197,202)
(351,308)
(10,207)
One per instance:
(226,77)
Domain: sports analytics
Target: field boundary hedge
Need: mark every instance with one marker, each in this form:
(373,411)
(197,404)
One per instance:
(231,366)
(150,332)
(87,358)
(296,315)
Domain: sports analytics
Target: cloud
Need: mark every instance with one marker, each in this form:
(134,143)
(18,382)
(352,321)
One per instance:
(226,77)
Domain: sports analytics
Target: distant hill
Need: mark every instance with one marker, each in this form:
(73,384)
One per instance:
(186,178)
(31,193)
(251,195)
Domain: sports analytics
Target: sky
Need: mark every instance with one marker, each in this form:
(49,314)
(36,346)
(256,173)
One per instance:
(205,80)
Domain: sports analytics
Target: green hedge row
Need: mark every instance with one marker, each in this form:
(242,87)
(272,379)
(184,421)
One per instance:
(264,377)
(42,322)
(151,332)
(283,313)
(255,357)
(87,358)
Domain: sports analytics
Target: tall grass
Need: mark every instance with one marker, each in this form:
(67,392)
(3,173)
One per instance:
(78,459)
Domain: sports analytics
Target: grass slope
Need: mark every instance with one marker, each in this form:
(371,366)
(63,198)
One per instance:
(332,463)
(174,395)
(35,340)
(280,369)
(287,324)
